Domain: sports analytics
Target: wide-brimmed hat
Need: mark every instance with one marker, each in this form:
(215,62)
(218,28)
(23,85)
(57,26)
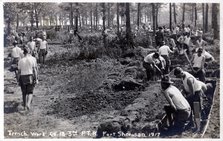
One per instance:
(166,79)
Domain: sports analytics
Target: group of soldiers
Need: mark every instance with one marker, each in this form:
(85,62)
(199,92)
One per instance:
(25,57)
(184,105)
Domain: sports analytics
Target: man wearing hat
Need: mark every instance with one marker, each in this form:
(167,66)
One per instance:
(198,61)
(193,90)
(178,105)
(27,67)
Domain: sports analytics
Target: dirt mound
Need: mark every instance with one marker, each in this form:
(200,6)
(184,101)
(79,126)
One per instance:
(91,102)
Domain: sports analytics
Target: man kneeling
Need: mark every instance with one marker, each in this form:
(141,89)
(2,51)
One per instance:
(179,108)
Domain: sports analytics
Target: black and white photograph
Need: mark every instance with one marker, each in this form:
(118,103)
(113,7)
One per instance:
(111,70)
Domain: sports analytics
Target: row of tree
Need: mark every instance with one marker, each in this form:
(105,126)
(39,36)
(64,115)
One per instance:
(78,15)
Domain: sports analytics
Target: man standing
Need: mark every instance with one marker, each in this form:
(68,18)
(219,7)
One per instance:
(193,90)
(151,63)
(16,55)
(198,61)
(178,105)
(32,46)
(164,51)
(200,42)
(27,67)
(159,37)
(43,49)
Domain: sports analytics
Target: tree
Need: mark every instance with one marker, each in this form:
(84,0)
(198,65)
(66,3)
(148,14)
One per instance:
(203,16)
(138,15)
(154,19)
(128,26)
(109,16)
(215,19)
(104,18)
(96,16)
(91,14)
(183,16)
(195,11)
(170,17)
(206,19)
(117,18)
(76,17)
(9,14)
(71,16)
(174,12)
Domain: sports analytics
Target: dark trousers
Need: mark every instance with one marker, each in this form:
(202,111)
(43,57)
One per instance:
(167,59)
(180,117)
(200,74)
(150,70)
(195,98)
(42,55)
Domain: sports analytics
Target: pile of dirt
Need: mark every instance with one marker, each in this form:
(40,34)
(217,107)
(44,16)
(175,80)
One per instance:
(91,102)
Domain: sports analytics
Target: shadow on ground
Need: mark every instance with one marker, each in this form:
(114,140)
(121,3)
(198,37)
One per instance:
(10,107)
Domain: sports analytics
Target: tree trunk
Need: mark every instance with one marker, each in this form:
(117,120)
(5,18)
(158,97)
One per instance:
(203,17)
(157,12)
(154,19)
(206,19)
(104,18)
(192,13)
(9,26)
(138,15)
(91,17)
(17,21)
(71,16)
(195,11)
(37,20)
(128,27)
(215,20)
(76,18)
(32,20)
(170,17)
(109,16)
(96,27)
(118,18)
(175,15)
(36,16)
(82,19)
(183,16)
(79,17)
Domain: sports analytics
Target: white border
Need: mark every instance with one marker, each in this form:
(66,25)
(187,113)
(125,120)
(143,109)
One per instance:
(113,1)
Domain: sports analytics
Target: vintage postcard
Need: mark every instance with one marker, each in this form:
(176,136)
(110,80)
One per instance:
(126,70)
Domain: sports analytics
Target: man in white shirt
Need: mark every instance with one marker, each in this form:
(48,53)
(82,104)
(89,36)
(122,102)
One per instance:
(200,42)
(178,105)
(32,45)
(27,67)
(164,51)
(16,55)
(193,91)
(43,49)
(150,63)
(198,61)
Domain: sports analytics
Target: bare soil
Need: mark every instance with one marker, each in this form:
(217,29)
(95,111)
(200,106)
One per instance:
(74,97)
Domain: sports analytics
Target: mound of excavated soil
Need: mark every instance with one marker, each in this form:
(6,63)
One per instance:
(91,102)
